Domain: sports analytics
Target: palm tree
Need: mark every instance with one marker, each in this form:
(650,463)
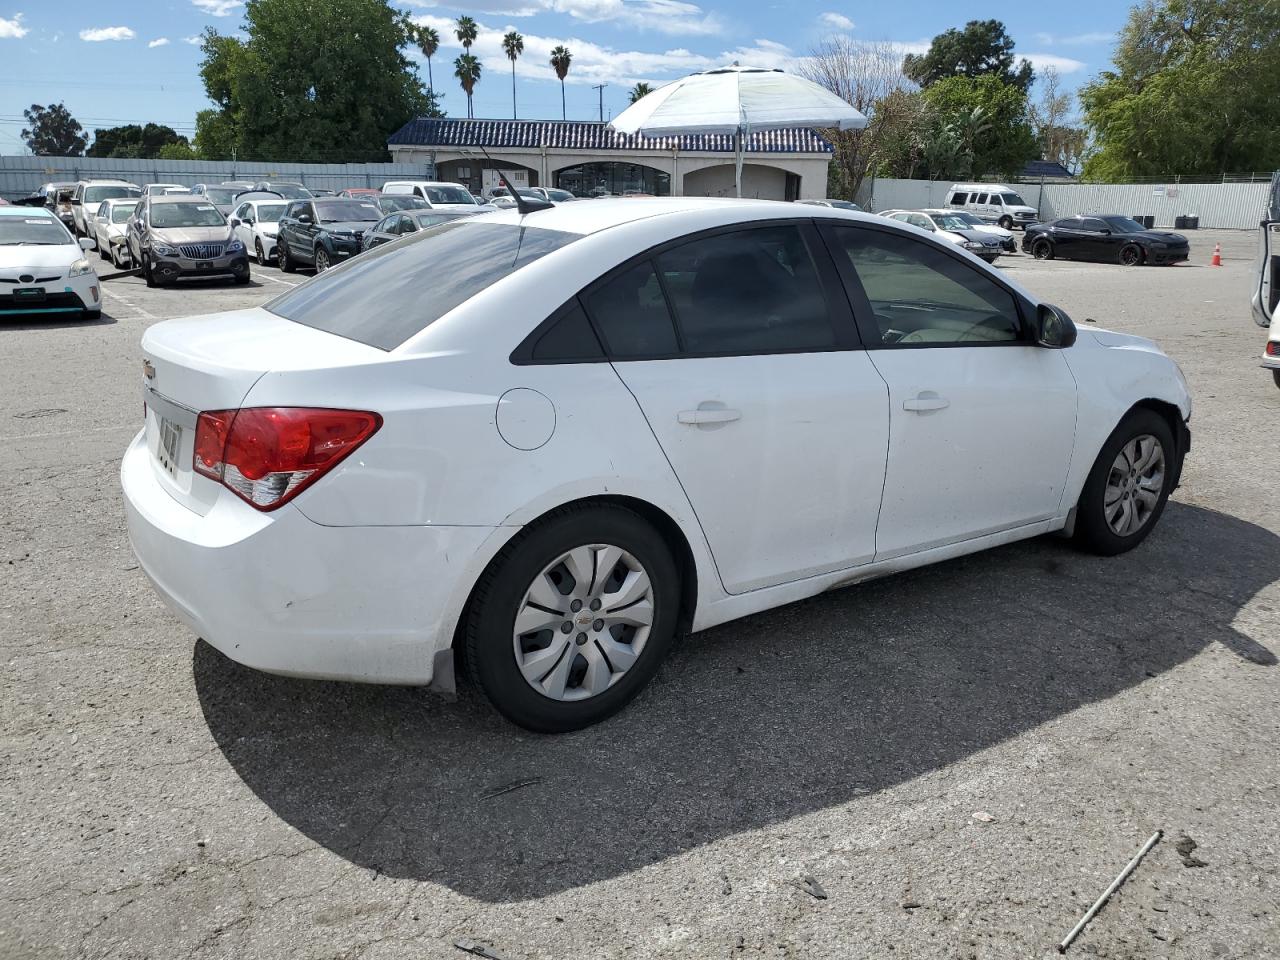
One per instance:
(513,46)
(466,31)
(641,89)
(560,59)
(428,42)
(467,69)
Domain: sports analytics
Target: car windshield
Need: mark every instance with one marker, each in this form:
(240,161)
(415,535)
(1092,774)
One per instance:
(36,231)
(969,218)
(270,212)
(345,211)
(1123,225)
(97,194)
(951,222)
(388,294)
(448,195)
(844,205)
(121,212)
(391,204)
(165,215)
(1012,200)
(290,191)
(223,195)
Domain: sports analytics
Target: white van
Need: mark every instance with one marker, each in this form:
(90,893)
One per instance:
(993,202)
(438,195)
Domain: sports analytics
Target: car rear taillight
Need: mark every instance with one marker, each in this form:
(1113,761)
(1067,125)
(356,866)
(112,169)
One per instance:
(268,455)
(1273,348)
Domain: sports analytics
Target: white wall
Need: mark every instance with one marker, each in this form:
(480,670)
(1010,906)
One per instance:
(758,182)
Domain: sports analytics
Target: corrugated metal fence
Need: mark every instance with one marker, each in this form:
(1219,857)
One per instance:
(1230,206)
(21,176)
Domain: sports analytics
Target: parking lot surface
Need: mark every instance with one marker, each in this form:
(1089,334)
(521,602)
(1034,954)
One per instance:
(957,760)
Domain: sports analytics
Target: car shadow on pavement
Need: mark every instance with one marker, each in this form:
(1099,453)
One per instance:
(747,725)
(34,321)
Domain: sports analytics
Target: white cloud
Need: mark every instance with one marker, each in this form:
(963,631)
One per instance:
(99,34)
(159,42)
(218,8)
(13,28)
(1042,61)
(1078,40)
(675,17)
(194,41)
(837,21)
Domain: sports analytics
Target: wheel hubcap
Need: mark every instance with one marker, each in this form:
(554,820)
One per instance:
(1134,485)
(583,622)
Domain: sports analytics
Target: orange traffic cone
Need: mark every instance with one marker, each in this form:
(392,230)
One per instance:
(1217,256)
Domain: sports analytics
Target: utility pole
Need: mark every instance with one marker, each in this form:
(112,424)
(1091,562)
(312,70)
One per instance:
(600,87)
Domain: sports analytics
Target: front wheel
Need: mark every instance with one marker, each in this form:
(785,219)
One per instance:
(1129,485)
(1131,256)
(572,619)
(1275,374)
(1006,223)
(1042,250)
(147,274)
(322,260)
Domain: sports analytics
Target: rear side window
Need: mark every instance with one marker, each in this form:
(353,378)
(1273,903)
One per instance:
(631,313)
(980,198)
(385,296)
(748,291)
(569,339)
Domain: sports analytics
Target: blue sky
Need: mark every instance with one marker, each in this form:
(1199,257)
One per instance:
(133,61)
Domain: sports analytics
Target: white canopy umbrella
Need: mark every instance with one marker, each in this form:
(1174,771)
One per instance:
(737,100)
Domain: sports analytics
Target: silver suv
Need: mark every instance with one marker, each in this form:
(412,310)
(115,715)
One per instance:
(177,236)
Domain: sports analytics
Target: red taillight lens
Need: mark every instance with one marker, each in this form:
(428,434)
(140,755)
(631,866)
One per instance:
(268,455)
(1273,348)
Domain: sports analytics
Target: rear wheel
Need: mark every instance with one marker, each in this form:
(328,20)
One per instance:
(1129,485)
(572,620)
(1042,250)
(103,253)
(1275,374)
(1131,256)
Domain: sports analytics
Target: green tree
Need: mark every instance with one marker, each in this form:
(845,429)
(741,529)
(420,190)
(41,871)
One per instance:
(53,131)
(466,31)
(1195,90)
(428,40)
(560,60)
(180,150)
(467,69)
(983,47)
(513,46)
(640,91)
(132,140)
(309,82)
(977,125)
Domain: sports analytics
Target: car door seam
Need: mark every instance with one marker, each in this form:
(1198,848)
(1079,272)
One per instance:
(888,446)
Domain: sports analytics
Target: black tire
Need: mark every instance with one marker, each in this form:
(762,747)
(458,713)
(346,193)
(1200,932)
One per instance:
(1092,531)
(283,259)
(147,273)
(488,633)
(1275,374)
(1006,223)
(1042,250)
(243,278)
(102,253)
(259,253)
(1131,256)
(321,260)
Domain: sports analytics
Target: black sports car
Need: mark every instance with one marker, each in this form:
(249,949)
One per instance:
(1104,238)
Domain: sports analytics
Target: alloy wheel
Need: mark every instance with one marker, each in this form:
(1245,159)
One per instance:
(322,261)
(1130,256)
(1134,485)
(1041,250)
(583,622)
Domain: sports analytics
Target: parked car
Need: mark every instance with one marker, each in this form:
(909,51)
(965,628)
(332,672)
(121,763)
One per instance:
(952,229)
(50,191)
(994,203)
(321,232)
(362,193)
(43,267)
(390,204)
(111,229)
(288,189)
(501,199)
(160,189)
(63,210)
(679,399)
(1104,238)
(553,194)
(171,237)
(221,195)
(1266,295)
(439,195)
(397,225)
(90,193)
(323,192)
(1008,242)
(255,223)
(837,204)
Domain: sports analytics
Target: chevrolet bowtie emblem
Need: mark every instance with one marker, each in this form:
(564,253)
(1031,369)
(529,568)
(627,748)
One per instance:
(148,369)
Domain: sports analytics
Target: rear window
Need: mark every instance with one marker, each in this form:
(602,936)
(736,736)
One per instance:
(388,294)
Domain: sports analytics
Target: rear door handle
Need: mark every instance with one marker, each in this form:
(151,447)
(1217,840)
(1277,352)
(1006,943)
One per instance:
(925,401)
(709,415)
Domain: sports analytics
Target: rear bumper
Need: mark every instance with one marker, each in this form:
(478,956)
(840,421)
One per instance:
(279,593)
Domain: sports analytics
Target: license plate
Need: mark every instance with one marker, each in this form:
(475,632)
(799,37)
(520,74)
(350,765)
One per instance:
(170,442)
(29,294)
(203,264)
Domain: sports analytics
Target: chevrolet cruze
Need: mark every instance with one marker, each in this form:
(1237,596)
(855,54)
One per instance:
(540,446)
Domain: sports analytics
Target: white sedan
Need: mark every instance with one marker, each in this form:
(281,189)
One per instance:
(256,223)
(548,444)
(43,268)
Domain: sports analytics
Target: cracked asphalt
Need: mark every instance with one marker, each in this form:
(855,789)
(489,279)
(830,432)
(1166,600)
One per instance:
(960,758)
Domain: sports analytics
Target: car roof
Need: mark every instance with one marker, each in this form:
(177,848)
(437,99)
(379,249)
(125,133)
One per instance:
(29,212)
(180,198)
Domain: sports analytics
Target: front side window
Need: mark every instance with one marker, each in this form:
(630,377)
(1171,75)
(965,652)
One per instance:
(396,290)
(1123,225)
(921,296)
(749,291)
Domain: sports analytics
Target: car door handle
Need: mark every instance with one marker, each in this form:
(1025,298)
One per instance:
(925,401)
(709,415)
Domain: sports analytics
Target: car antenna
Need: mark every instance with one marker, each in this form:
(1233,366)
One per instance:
(524,204)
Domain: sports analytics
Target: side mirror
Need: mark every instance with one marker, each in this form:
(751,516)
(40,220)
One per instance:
(1106,233)
(305,218)
(1054,329)
(86,243)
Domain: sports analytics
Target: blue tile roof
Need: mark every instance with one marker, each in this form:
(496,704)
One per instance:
(590,135)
